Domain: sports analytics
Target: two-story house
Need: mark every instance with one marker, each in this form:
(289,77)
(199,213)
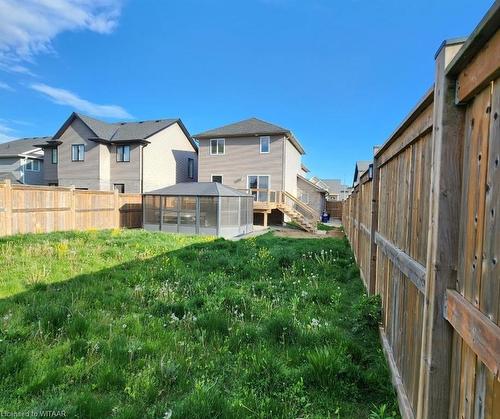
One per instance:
(21,161)
(127,156)
(263,158)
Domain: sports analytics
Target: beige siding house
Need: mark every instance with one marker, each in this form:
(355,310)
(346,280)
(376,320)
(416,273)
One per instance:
(128,156)
(262,158)
(311,194)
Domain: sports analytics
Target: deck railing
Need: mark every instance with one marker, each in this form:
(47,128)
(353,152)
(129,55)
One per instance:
(267,199)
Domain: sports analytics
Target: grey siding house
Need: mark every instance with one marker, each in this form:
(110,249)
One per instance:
(259,157)
(22,162)
(361,167)
(337,191)
(127,156)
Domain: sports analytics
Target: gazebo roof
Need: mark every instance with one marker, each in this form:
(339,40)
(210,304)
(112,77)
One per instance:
(198,189)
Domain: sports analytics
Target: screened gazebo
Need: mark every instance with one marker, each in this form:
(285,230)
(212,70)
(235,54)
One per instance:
(208,208)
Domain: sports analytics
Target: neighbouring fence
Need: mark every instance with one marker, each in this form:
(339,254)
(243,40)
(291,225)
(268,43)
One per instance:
(425,229)
(334,208)
(42,209)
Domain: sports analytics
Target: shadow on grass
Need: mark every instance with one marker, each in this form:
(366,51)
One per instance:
(255,327)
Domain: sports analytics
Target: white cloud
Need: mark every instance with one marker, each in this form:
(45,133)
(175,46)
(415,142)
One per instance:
(65,97)
(5,86)
(6,133)
(28,27)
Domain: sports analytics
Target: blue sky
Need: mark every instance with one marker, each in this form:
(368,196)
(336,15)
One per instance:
(340,74)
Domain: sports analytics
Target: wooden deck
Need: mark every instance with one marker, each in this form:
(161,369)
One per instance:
(268,200)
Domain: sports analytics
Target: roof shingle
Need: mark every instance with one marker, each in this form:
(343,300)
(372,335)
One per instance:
(198,189)
(20,146)
(252,126)
(126,131)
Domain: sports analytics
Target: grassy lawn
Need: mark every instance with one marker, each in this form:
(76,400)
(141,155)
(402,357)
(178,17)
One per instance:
(136,324)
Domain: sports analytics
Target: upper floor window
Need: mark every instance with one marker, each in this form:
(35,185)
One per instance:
(123,153)
(217,146)
(32,166)
(191,168)
(53,155)
(77,152)
(265,144)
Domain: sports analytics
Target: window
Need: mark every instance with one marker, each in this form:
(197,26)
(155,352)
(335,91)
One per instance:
(229,212)
(304,197)
(217,178)
(217,146)
(32,166)
(191,168)
(77,152)
(123,153)
(170,210)
(53,155)
(265,144)
(260,186)
(120,187)
(151,209)
(187,212)
(208,212)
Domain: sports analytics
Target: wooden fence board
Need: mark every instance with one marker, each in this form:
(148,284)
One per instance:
(39,209)
(477,330)
(434,237)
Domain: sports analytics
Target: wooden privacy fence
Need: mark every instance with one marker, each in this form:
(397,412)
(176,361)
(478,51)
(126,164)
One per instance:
(43,209)
(424,225)
(334,208)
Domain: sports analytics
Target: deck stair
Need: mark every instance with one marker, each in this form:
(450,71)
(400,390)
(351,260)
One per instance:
(299,212)
(297,217)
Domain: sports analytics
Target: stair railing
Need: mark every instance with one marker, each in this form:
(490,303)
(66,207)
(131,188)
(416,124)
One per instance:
(309,214)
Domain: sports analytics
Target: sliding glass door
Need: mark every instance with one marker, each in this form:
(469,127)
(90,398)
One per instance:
(259,186)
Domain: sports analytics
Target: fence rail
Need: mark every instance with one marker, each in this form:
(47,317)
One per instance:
(424,227)
(43,209)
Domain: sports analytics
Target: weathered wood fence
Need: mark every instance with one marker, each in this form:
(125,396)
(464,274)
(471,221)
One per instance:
(42,209)
(424,224)
(334,208)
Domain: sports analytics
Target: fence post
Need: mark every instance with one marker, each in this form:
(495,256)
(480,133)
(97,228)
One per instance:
(442,249)
(116,211)
(8,207)
(72,208)
(359,233)
(372,280)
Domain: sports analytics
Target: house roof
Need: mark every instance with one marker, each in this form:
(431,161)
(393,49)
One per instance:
(250,127)
(333,185)
(117,132)
(20,146)
(198,189)
(304,168)
(319,188)
(8,176)
(361,167)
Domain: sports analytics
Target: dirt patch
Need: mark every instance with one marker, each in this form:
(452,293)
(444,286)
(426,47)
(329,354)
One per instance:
(300,234)
(336,232)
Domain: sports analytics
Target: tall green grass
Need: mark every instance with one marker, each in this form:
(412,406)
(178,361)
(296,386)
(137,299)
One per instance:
(135,324)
